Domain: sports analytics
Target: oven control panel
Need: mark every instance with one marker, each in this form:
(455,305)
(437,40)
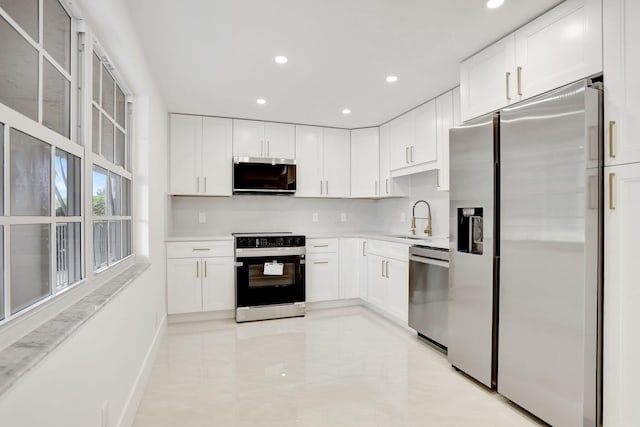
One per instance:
(292,241)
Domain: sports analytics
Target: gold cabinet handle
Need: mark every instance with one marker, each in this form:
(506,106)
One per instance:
(197,184)
(197,269)
(200,249)
(612,124)
(205,184)
(387,185)
(326,187)
(612,177)
(321,187)
(205,269)
(268,149)
(519,81)
(508,76)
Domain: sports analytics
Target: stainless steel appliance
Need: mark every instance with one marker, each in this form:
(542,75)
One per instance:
(525,304)
(252,175)
(428,293)
(270,276)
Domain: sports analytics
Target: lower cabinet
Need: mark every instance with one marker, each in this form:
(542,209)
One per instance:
(353,268)
(322,277)
(388,279)
(196,283)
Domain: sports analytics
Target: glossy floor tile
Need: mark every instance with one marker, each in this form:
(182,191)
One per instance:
(338,367)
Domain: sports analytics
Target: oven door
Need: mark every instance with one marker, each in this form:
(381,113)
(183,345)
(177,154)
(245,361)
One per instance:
(269,280)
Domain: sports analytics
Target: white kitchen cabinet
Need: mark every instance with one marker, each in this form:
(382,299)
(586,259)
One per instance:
(557,48)
(621,83)
(487,79)
(365,162)
(353,268)
(444,122)
(388,278)
(200,155)
(323,277)
(390,187)
(397,275)
(621,295)
(402,136)
(323,162)
(425,148)
(253,138)
(200,277)
(377,282)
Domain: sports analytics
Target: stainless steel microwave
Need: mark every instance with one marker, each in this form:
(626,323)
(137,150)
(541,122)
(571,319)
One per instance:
(253,175)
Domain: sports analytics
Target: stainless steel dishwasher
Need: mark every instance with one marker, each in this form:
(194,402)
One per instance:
(428,293)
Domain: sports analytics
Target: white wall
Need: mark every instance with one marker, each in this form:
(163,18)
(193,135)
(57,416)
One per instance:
(103,360)
(226,215)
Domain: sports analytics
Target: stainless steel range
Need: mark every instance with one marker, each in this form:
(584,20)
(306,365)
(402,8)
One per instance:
(270,273)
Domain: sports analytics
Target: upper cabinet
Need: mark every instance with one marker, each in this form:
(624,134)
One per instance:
(389,187)
(365,162)
(402,134)
(444,122)
(200,155)
(323,162)
(559,47)
(424,150)
(621,84)
(263,139)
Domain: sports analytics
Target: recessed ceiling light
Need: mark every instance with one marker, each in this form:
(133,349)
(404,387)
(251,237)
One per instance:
(392,79)
(261,101)
(492,4)
(346,111)
(281,59)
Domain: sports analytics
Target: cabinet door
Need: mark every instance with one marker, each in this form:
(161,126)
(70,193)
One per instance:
(397,274)
(216,156)
(376,281)
(487,79)
(280,140)
(365,162)
(352,271)
(323,277)
(425,148)
(403,136)
(622,86)
(444,121)
(561,46)
(186,154)
(184,285)
(337,162)
(309,178)
(621,295)
(218,285)
(248,138)
(385,161)
(362,266)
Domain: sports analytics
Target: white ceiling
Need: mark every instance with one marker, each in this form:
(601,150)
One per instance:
(216,57)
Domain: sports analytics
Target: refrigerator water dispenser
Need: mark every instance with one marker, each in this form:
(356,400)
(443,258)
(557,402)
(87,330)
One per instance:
(470,230)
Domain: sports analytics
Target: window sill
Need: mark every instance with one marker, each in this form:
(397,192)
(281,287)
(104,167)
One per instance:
(23,355)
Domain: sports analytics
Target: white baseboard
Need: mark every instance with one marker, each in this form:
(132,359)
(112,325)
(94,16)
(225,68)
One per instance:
(128,414)
(321,305)
(201,317)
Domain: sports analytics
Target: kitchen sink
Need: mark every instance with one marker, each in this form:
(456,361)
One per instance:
(409,236)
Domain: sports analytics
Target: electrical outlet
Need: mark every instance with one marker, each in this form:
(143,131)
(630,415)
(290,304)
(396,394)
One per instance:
(314,217)
(202,217)
(343,217)
(104,414)
(403,217)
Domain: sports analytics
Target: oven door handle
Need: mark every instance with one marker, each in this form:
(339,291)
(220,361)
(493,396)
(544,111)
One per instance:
(424,260)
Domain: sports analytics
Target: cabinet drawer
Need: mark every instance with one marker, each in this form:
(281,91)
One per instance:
(322,246)
(199,249)
(396,251)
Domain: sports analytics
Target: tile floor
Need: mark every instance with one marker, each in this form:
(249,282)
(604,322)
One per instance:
(337,367)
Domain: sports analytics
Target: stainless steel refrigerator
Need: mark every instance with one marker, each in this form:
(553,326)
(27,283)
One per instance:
(525,277)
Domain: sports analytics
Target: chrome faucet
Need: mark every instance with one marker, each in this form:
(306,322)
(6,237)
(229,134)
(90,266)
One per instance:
(427,230)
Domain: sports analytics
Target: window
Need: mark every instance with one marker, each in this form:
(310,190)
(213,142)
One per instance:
(47,229)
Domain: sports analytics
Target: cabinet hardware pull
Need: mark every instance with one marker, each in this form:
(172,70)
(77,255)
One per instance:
(508,75)
(268,149)
(321,262)
(612,155)
(321,187)
(406,154)
(326,187)
(387,185)
(612,177)
(382,274)
(411,151)
(205,269)
(376,188)
(197,184)
(201,249)
(205,184)
(519,81)
(262,148)
(320,246)
(387,274)
(364,248)
(197,269)
(438,179)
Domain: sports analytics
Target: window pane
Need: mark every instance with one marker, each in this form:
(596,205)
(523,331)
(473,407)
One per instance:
(57,100)
(30,266)
(25,13)
(68,255)
(96,78)
(99,191)
(115,201)
(119,148)
(56,30)
(95,131)
(68,176)
(120,106)
(1,272)
(107,138)
(126,238)
(30,175)
(18,72)
(126,197)
(107,91)
(115,241)
(100,231)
